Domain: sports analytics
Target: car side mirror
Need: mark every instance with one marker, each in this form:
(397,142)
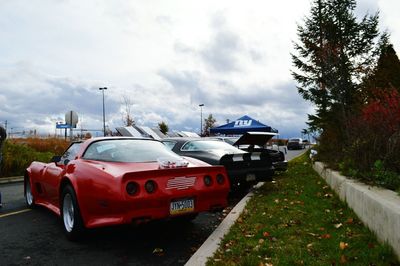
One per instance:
(55,159)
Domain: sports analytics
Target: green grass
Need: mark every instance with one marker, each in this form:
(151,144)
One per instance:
(298,220)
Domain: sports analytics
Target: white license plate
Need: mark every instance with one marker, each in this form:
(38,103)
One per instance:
(250,177)
(181,206)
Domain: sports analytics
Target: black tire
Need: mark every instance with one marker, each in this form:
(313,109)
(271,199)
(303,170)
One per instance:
(29,199)
(70,214)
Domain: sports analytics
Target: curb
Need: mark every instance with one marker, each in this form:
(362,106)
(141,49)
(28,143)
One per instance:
(12,179)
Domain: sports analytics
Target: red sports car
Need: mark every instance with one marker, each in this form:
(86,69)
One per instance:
(109,181)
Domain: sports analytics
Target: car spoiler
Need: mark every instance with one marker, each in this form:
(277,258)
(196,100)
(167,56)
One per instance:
(181,171)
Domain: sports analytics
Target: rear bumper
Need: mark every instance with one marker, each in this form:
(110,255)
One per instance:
(139,210)
(250,175)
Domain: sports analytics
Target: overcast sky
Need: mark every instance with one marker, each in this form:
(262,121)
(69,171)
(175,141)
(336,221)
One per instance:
(166,56)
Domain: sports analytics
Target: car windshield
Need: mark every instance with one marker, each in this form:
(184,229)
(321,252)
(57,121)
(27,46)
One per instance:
(203,145)
(129,151)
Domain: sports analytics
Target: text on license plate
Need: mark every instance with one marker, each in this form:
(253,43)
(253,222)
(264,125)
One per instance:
(181,206)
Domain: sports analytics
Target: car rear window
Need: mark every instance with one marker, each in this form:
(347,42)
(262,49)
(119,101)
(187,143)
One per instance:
(128,150)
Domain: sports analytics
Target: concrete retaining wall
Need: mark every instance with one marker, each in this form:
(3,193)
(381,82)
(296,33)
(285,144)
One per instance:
(378,208)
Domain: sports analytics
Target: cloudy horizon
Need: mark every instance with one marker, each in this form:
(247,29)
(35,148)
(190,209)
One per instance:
(167,57)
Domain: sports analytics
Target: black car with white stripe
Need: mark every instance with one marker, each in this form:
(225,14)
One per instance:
(243,167)
(256,142)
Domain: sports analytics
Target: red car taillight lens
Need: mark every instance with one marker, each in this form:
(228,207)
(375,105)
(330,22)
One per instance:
(207,180)
(220,179)
(150,186)
(132,188)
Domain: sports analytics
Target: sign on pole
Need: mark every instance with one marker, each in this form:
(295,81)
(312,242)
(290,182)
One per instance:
(71,119)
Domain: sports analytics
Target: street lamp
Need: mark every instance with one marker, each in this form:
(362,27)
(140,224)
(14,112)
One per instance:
(201,118)
(104,112)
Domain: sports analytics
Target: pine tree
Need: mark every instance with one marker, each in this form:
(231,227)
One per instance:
(163,127)
(387,72)
(334,54)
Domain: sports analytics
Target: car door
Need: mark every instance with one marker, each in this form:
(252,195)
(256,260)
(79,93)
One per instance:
(55,171)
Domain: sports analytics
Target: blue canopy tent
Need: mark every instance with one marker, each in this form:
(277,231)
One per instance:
(241,126)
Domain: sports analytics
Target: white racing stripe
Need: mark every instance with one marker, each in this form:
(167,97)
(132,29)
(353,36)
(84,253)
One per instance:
(237,157)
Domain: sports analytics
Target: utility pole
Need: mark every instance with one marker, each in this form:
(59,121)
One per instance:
(201,118)
(104,112)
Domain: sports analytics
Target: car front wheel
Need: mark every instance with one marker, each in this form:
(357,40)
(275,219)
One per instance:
(70,214)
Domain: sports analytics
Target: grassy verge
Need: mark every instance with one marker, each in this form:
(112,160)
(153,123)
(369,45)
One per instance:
(298,220)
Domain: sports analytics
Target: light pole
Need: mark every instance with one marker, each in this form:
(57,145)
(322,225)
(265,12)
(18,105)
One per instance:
(201,118)
(104,112)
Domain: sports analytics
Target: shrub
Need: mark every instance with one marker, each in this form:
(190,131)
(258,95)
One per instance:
(17,157)
(53,145)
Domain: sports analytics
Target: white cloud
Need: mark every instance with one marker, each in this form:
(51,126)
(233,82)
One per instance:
(169,56)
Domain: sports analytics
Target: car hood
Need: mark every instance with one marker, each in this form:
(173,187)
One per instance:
(254,138)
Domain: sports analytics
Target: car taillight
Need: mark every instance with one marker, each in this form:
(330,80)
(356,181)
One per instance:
(132,188)
(220,179)
(207,180)
(150,186)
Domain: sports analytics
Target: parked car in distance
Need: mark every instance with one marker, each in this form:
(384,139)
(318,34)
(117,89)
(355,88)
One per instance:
(295,144)
(255,142)
(243,168)
(122,180)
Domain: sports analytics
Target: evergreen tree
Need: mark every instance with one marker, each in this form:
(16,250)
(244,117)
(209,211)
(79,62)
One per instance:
(163,127)
(334,54)
(387,72)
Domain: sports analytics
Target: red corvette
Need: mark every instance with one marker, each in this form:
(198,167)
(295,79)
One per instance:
(109,181)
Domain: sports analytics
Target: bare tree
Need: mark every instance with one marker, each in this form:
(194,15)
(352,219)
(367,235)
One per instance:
(127,117)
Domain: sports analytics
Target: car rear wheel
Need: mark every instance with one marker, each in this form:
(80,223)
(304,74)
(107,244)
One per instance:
(70,214)
(29,199)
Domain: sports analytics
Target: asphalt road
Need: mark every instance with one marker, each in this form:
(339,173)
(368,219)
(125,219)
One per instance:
(35,237)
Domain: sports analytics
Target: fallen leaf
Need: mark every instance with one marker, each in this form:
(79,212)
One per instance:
(309,245)
(371,245)
(343,245)
(240,220)
(266,234)
(260,241)
(158,251)
(343,259)
(276,201)
(350,221)
(337,226)
(326,236)
(249,235)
